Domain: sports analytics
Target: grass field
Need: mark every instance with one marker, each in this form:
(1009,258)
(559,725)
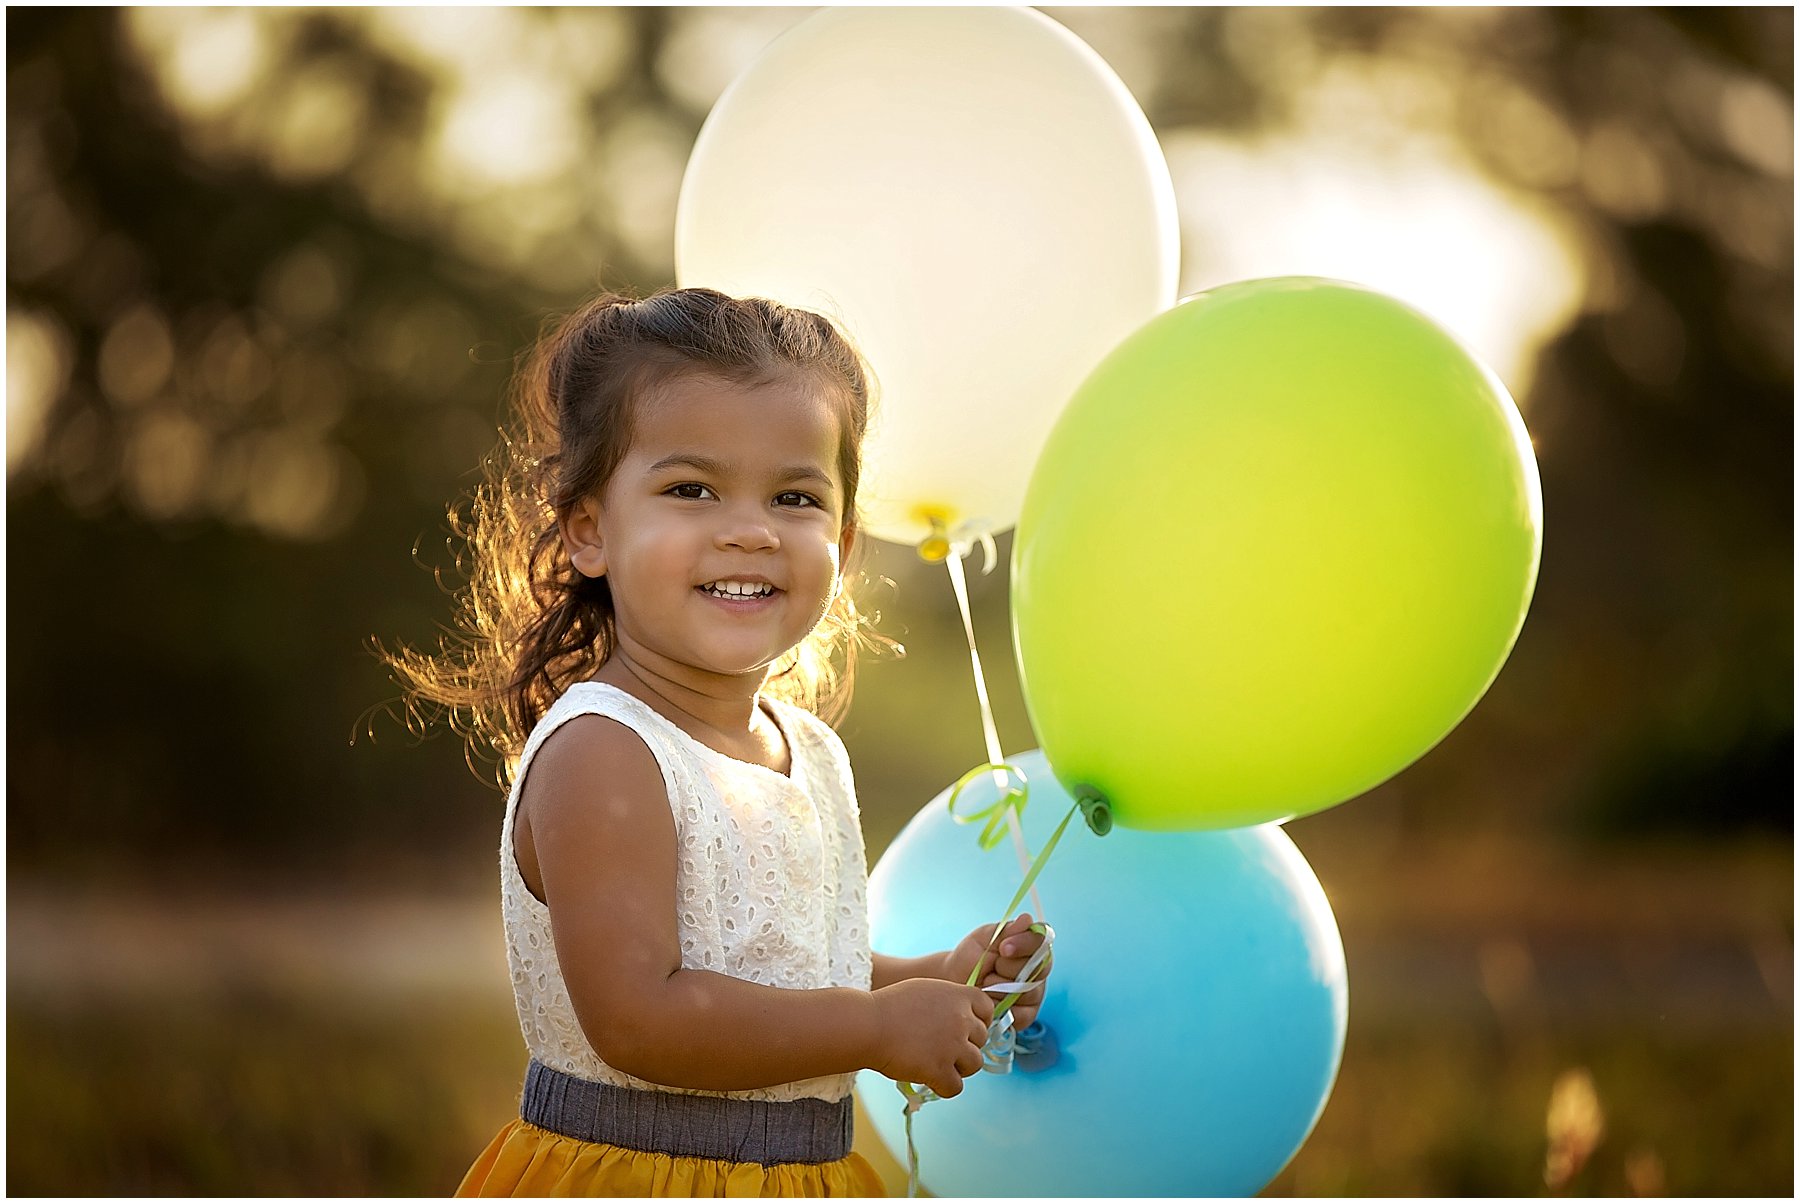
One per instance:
(353,1047)
(258,1096)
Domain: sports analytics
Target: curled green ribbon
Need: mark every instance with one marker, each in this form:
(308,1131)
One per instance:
(1014,794)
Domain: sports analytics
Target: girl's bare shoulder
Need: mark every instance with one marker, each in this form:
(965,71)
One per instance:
(591,761)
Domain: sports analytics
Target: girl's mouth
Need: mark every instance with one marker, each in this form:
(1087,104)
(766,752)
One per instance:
(737,591)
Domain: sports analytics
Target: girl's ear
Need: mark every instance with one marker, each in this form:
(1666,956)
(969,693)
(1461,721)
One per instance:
(582,539)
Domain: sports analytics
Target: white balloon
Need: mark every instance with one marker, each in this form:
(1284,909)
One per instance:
(974,197)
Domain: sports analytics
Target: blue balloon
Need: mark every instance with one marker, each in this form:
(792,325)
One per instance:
(1196,1008)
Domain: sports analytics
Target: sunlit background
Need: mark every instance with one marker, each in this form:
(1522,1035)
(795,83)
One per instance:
(267,272)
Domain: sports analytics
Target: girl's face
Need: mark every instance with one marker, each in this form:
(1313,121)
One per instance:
(722,530)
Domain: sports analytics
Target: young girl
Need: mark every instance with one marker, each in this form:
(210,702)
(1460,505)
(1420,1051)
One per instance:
(657,596)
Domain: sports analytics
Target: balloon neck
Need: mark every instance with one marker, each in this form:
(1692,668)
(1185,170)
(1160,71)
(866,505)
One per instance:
(1034,1047)
(934,549)
(945,540)
(1094,809)
(936,546)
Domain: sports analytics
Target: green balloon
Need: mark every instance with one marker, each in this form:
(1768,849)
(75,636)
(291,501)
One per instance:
(1277,546)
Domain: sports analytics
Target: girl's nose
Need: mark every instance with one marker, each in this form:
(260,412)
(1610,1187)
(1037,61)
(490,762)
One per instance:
(749,532)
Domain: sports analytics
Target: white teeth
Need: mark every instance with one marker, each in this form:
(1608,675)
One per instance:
(738,589)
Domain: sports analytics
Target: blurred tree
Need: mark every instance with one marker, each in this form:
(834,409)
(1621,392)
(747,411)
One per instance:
(267,271)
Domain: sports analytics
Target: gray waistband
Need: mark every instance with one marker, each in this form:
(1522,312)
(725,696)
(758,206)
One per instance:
(687,1126)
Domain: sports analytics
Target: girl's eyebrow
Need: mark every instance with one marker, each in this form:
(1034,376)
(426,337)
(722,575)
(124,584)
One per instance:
(706,464)
(688,460)
(806,472)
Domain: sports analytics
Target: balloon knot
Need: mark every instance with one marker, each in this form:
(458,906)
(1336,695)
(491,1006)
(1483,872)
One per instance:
(1034,1047)
(935,547)
(946,541)
(1094,809)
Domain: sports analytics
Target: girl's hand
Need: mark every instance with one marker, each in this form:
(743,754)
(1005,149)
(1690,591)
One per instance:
(1004,964)
(931,1032)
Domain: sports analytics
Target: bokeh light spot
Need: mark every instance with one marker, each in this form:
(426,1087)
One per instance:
(1758,125)
(1621,174)
(1757,224)
(449,42)
(305,286)
(137,357)
(642,163)
(164,465)
(86,460)
(317,125)
(41,235)
(1526,137)
(593,45)
(505,128)
(37,371)
(300,488)
(234,369)
(209,58)
(702,55)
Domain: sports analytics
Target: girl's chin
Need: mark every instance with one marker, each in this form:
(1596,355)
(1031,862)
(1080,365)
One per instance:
(754,666)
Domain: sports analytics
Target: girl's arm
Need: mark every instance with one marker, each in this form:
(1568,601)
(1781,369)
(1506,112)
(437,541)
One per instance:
(890,970)
(606,851)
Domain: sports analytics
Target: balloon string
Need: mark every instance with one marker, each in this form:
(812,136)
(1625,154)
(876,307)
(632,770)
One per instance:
(912,1151)
(997,1052)
(992,735)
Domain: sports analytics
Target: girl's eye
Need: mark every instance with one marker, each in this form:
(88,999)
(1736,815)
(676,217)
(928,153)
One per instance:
(794,497)
(690,490)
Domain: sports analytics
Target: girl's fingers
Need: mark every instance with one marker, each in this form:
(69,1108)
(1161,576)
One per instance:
(1034,995)
(1016,930)
(1012,967)
(1001,976)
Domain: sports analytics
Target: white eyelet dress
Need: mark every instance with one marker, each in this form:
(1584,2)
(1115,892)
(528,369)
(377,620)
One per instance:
(771,886)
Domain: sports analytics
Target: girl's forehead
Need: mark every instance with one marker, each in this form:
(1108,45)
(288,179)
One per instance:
(790,413)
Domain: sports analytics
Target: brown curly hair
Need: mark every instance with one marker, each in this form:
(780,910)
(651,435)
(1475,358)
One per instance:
(529,624)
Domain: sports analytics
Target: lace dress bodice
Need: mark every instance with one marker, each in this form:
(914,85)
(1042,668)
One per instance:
(771,882)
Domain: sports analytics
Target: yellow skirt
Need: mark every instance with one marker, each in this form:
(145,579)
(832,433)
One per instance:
(524,1160)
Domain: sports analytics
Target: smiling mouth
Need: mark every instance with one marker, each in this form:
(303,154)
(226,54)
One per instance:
(737,591)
